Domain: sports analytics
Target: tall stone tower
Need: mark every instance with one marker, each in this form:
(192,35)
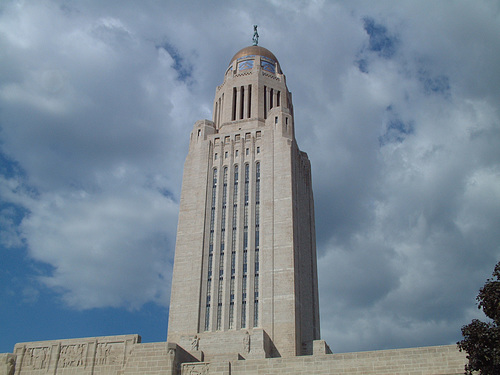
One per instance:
(245,275)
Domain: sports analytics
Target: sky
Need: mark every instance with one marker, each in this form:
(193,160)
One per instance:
(396,103)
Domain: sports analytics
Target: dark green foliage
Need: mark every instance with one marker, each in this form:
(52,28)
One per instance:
(482,340)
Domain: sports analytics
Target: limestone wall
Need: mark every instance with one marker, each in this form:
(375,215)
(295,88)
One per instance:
(7,363)
(125,355)
(433,360)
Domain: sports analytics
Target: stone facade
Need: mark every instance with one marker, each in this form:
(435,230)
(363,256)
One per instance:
(125,355)
(245,256)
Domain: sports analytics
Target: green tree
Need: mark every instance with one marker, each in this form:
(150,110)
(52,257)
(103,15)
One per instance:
(482,340)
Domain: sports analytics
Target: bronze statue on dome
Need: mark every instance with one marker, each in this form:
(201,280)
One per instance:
(255,35)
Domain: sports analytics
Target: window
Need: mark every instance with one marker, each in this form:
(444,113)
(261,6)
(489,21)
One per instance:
(258,150)
(242,101)
(243,314)
(211,248)
(256,313)
(236,153)
(265,102)
(231,315)
(257,244)
(249,113)
(233,115)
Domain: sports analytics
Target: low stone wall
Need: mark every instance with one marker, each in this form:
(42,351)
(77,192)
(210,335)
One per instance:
(125,355)
(92,355)
(433,360)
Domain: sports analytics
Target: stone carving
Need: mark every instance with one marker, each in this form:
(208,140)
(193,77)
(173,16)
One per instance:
(246,342)
(195,343)
(8,366)
(195,369)
(105,354)
(36,358)
(72,355)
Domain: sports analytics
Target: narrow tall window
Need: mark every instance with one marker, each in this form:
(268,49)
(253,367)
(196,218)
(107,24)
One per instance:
(242,102)
(233,247)
(244,303)
(216,113)
(222,248)
(245,247)
(220,111)
(257,245)
(211,250)
(256,302)
(271,94)
(233,115)
(221,108)
(231,305)
(249,111)
(278,98)
(265,102)
(219,305)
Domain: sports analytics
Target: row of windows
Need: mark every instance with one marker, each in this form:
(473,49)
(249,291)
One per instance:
(244,270)
(242,102)
(237,138)
(245,99)
(237,153)
(271,99)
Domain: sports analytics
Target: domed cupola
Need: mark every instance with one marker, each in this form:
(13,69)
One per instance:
(269,62)
(253,86)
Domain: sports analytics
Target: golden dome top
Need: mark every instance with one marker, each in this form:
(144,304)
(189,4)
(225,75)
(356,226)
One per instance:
(254,51)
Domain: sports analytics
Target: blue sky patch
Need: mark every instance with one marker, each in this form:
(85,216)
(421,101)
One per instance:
(439,84)
(362,65)
(396,129)
(380,41)
(183,69)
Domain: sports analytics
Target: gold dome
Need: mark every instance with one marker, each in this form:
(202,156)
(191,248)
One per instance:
(254,50)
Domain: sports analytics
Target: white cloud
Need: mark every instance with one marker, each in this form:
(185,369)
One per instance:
(107,249)
(98,101)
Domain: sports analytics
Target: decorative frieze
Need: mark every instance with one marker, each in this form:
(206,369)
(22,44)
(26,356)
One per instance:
(87,354)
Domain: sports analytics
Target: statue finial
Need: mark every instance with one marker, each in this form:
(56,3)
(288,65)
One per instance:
(255,35)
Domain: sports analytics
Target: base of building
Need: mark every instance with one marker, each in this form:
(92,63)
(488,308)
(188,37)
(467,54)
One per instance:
(124,355)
